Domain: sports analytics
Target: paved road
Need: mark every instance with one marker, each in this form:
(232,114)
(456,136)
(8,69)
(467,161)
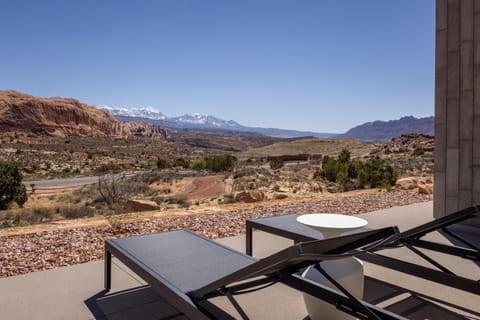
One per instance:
(62,183)
(68,182)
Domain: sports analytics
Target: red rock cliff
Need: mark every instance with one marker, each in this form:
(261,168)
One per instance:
(57,116)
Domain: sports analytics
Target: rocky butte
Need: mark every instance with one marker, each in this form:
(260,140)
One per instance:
(24,114)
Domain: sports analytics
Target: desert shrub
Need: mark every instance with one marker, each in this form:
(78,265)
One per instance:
(162,164)
(151,177)
(376,173)
(243,173)
(342,178)
(418,151)
(181,162)
(180,199)
(158,199)
(276,164)
(116,190)
(329,168)
(353,174)
(27,217)
(199,164)
(221,163)
(344,156)
(276,187)
(229,198)
(354,168)
(44,214)
(11,187)
(108,168)
(76,212)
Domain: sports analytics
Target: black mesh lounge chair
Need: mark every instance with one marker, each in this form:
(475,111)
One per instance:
(412,239)
(187,269)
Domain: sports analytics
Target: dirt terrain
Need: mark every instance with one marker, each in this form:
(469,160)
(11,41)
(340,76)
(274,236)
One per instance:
(205,187)
(34,248)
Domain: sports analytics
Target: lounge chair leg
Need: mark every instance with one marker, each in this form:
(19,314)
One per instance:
(108,271)
(427,258)
(236,305)
(368,313)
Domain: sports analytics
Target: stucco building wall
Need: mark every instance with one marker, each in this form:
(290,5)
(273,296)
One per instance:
(457,105)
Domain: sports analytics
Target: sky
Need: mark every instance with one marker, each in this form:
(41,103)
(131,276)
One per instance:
(312,65)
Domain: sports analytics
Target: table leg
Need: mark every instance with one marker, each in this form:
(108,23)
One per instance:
(248,238)
(108,271)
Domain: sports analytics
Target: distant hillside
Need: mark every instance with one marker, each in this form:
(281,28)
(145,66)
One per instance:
(308,146)
(24,114)
(386,130)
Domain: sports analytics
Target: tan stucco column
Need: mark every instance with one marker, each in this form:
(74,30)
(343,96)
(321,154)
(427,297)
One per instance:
(457,105)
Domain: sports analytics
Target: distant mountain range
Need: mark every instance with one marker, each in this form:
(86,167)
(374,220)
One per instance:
(375,131)
(386,130)
(204,121)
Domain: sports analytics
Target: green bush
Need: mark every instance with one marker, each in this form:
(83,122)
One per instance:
(199,164)
(376,173)
(11,187)
(344,156)
(162,164)
(329,169)
(276,164)
(221,163)
(353,174)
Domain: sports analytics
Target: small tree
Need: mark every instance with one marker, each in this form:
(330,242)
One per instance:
(344,156)
(329,168)
(11,187)
(276,164)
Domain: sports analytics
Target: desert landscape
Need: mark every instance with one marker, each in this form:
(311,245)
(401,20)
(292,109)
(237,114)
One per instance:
(145,178)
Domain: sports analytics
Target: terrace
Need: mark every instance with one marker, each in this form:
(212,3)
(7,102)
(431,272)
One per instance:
(76,292)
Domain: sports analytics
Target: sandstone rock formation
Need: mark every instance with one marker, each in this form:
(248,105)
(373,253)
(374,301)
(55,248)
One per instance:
(135,205)
(34,116)
(250,196)
(423,185)
(279,196)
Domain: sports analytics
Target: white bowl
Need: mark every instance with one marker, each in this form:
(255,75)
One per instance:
(332,224)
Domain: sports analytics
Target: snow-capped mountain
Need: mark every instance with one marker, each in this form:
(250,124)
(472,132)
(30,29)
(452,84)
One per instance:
(205,120)
(147,113)
(200,121)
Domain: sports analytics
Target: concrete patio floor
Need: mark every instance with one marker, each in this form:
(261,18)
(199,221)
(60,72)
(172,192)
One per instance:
(76,292)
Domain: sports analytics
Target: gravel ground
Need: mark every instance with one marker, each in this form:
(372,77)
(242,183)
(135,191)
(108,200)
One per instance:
(26,253)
